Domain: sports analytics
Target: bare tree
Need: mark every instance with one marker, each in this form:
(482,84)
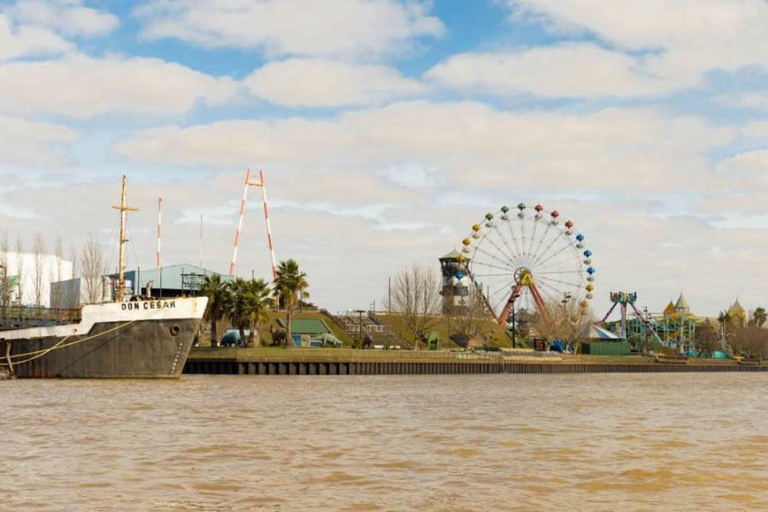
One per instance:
(564,321)
(93,270)
(470,319)
(751,340)
(38,250)
(73,259)
(56,274)
(416,296)
(5,277)
(707,337)
(20,274)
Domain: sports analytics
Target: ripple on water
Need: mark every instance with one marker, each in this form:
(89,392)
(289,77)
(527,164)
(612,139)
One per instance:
(484,442)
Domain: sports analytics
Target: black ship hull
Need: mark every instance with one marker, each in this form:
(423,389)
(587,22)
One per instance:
(145,339)
(147,349)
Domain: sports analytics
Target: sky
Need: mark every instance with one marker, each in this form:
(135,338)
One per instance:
(387,128)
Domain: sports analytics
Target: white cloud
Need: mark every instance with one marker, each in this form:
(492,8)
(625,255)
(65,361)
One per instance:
(347,28)
(18,41)
(82,87)
(565,70)
(323,83)
(656,47)
(69,17)
(469,142)
(33,143)
(748,170)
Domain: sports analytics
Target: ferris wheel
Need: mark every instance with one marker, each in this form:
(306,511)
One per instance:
(529,256)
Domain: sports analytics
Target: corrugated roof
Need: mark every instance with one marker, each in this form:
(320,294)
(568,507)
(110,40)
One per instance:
(168,277)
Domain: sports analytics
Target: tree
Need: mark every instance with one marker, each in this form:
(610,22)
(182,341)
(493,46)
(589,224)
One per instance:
(38,251)
(20,275)
(93,270)
(759,316)
(707,338)
(470,319)
(259,307)
(5,277)
(56,274)
(217,292)
(564,321)
(289,289)
(416,296)
(238,305)
(750,340)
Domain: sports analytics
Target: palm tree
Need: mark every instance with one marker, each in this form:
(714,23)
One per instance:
(217,292)
(259,306)
(760,316)
(289,289)
(238,307)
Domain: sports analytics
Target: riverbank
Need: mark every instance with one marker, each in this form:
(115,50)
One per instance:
(276,361)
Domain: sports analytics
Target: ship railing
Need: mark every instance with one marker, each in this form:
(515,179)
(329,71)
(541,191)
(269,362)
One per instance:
(22,316)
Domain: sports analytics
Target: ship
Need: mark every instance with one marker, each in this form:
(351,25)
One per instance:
(130,337)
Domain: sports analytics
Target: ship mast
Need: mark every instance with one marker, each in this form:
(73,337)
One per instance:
(123,240)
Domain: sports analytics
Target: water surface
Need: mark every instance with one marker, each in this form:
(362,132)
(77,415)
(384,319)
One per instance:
(455,442)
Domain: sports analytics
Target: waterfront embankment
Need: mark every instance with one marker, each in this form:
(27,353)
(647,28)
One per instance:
(276,361)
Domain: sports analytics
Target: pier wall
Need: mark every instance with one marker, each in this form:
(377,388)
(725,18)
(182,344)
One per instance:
(304,367)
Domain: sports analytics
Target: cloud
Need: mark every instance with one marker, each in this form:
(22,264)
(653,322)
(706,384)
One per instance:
(323,83)
(347,28)
(565,70)
(642,48)
(83,87)
(68,17)
(33,143)
(466,142)
(24,40)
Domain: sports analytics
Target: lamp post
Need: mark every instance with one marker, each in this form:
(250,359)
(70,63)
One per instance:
(360,316)
(514,319)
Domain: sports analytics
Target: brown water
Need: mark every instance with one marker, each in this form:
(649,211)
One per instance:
(523,442)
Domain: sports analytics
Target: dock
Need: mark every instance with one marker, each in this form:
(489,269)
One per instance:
(270,361)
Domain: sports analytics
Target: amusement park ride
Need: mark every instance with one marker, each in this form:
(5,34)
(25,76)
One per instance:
(625,300)
(530,256)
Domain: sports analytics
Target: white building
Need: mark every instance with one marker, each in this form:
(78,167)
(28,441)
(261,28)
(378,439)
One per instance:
(32,277)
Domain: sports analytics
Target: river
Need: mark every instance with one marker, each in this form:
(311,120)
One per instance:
(454,442)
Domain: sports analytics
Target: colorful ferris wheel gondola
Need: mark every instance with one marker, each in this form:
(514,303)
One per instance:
(529,255)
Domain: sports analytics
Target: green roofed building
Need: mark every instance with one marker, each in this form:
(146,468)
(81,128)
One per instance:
(306,328)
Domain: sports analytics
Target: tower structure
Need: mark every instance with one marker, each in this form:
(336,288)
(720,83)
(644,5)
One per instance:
(737,314)
(454,268)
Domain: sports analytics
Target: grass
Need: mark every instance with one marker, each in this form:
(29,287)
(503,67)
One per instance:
(443,329)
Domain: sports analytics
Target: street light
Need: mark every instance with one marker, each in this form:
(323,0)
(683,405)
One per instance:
(514,328)
(360,315)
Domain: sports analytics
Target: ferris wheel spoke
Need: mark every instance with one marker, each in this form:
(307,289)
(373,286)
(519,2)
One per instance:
(559,272)
(497,247)
(522,238)
(513,253)
(556,265)
(536,252)
(489,265)
(493,275)
(550,291)
(493,256)
(514,238)
(560,251)
(533,236)
(549,246)
(553,280)
(505,286)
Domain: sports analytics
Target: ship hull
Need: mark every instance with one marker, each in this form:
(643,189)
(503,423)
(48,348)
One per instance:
(143,339)
(147,349)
